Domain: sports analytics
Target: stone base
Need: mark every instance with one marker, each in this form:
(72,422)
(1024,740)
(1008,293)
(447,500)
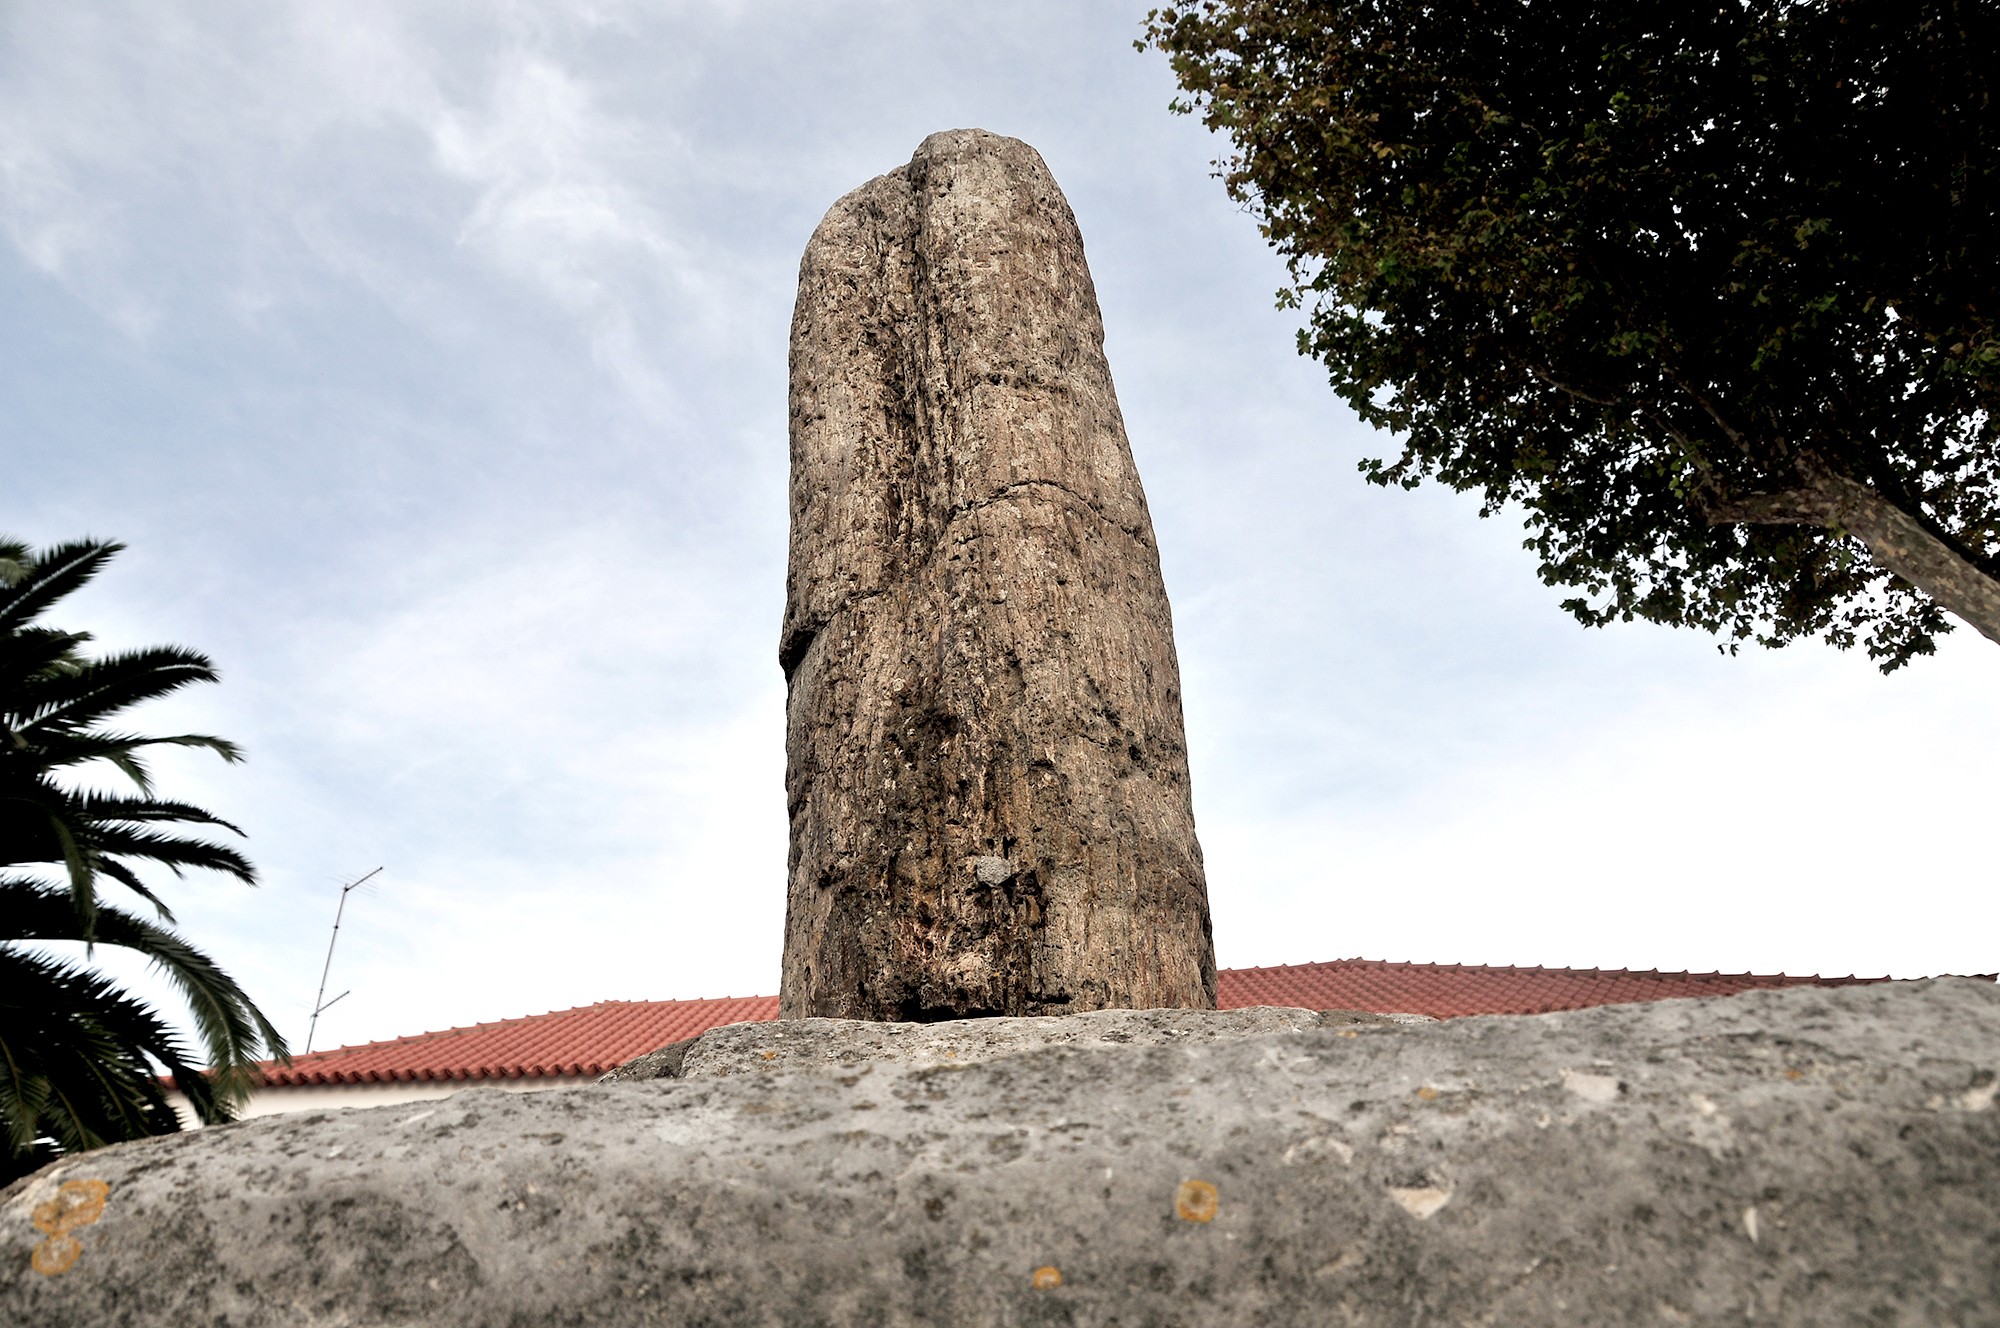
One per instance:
(1809,1156)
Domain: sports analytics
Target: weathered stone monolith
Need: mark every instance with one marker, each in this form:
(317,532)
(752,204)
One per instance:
(987,774)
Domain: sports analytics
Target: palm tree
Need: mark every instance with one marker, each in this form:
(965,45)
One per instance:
(78,1055)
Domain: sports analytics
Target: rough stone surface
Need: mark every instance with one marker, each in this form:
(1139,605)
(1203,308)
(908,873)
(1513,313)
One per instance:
(986,769)
(840,1043)
(661,1063)
(1804,1156)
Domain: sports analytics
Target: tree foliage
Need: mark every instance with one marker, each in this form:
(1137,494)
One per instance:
(80,1059)
(1708,289)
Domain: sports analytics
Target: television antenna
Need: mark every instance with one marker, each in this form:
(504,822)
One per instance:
(320,1003)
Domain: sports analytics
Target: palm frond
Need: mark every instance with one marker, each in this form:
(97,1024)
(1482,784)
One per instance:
(128,878)
(75,699)
(28,658)
(234,1032)
(175,852)
(117,807)
(82,872)
(14,560)
(77,1061)
(57,751)
(90,832)
(44,578)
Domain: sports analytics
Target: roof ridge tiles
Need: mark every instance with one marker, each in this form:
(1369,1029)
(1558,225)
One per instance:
(1515,969)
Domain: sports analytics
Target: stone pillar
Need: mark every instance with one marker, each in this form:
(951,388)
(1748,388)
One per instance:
(986,770)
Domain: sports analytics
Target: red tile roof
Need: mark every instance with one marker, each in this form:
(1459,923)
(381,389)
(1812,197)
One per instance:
(594,1038)
(585,1041)
(1449,991)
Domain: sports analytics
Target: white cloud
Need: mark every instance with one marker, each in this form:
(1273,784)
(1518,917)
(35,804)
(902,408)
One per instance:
(432,355)
(238,166)
(1801,819)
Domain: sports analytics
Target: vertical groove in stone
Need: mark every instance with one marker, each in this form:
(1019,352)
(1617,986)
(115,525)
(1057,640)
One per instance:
(986,770)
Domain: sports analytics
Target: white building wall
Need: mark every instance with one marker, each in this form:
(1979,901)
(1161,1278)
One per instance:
(276,1100)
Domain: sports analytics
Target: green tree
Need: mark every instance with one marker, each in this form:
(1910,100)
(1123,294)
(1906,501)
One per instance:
(1708,290)
(80,1059)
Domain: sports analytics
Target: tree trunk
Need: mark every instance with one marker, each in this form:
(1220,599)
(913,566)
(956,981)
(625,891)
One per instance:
(985,764)
(1897,541)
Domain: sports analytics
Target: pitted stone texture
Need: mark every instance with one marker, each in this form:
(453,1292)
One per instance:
(986,770)
(833,1043)
(660,1063)
(1824,1157)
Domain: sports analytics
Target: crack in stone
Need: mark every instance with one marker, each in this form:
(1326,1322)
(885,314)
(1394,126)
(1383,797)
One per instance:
(792,651)
(966,509)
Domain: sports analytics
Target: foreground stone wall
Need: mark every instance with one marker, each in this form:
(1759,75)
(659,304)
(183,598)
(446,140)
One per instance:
(1799,1156)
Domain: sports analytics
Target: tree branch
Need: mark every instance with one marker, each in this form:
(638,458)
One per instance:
(1897,540)
(1901,543)
(1790,507)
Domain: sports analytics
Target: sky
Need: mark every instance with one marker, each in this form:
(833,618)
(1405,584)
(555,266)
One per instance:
(430,359)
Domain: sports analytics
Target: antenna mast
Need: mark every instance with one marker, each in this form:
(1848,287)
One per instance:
(320,1003)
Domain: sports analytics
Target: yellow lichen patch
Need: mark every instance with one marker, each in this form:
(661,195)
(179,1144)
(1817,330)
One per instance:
(1195,1201)
(1427,1093)
(77,1204)
(1046,1278)
(56,1254)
